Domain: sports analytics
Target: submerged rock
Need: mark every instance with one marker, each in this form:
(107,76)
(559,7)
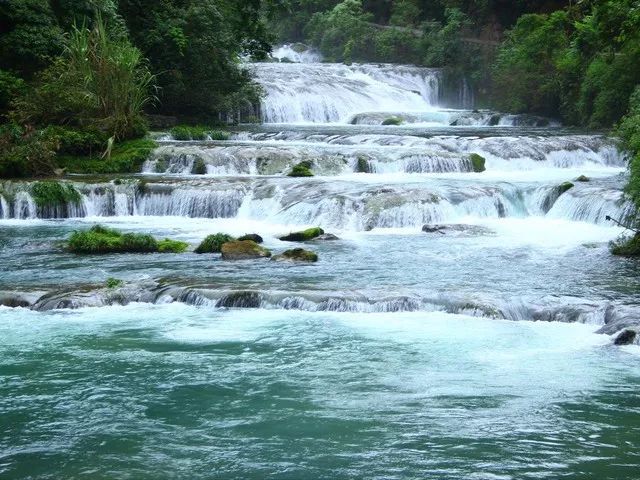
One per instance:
(457,229)
(583,178)
(240,300)
(626,337)
(303,236)
(254,237)
(297,255)
(327,237)
(243,250)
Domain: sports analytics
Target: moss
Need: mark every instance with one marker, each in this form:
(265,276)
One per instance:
(477,162)
(564,187)
(114,282)
(243,250)
(302,169)
(251,236)
(126,157)
(297,255)
(626,246)
(50,193)
(172,246)
(363,165)
(392,121)
(213,243)
(197,132)
(99,240)
(199,167)
(304,235)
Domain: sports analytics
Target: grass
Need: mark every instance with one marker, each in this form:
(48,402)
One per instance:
(126,157)
(51,193)
(213,243)
(197,132)
(101,240)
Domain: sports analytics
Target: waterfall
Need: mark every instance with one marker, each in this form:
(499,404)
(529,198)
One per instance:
(5,211)
(330,93)
(297,53)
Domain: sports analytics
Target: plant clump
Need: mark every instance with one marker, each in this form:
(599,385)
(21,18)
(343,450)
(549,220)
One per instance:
(197,132)
(100,240)
(213,243)
(302,169)
(114,283)
(303,236)
(477,162)
(51,193)
(626,246)
(297,255)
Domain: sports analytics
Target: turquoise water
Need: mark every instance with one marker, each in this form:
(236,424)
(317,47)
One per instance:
(172,391)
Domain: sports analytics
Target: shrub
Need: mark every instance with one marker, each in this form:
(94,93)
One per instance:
(50,193)
(626,246)
(213,243)
(100,240)
(25,154)
(126,157)
(74,141)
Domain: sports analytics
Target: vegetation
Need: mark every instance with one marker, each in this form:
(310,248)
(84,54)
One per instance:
(303,236)
(101,240)
(477,162)
(186,132)
(626,246)
(52,193)
(213,243)
(302,169)
(114,283)
(126,157)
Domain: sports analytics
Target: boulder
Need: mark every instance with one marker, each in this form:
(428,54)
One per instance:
(477,162)
(626,337)
(327,237)
(303,236)
(213,243)
(583,178)
(243,250)
(565,187)
(254,237)
(297,255)
(240,300)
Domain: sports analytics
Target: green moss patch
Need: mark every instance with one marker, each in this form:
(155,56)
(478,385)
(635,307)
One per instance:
(126,157)
(302,169)
(392,121)
(114,282)
(303,236)
(213,243)
(100,240)
(477,162)
(565,187)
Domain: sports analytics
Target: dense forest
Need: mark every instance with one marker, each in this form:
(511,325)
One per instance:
(78,76)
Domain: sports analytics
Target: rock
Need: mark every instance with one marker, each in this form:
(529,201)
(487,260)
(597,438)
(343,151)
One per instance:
(199,167)
(302,169)
(254,237)
(392,121)
(297,255)
(243,250)
(626,337)
(434,228)
(564,187)
(213,243)
(303,236)
(478,162)
(240,300)
(363,165)
(583,178)
(327,237)
(457,230)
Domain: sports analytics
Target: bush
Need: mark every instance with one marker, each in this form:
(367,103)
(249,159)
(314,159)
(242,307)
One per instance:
(100,240)
(626,246)
(74,141)
(213,243)
(52,193)
(25,154)
(126,157)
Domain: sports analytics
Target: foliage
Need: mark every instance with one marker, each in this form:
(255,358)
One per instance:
(26,153)
(100,240)
(11,86)
(197,132)
(302,169)
(213,243)
(114,283)
(74,141)
(51,193)
(626,246)
(126,157)
(629,131)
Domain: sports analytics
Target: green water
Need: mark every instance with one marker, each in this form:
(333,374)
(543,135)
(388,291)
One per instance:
(172,391)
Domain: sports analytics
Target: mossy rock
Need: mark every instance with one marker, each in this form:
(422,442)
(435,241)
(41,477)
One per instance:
(199,167)
(626,337)
(565,187)
(477,162)
(363,165)
(243,250)
(254,237)
(240,300)
(392,121)
(583,178)
(302,169)
(303,236)
(114,283)
(213,243)
(297,255)
(101,240)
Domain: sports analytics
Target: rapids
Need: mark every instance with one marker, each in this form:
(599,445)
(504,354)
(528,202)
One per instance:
(482,348)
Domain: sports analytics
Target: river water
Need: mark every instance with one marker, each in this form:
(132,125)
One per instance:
(481,351)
